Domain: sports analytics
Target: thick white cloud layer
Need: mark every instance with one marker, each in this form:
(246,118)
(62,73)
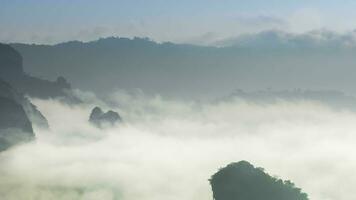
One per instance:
(167,150)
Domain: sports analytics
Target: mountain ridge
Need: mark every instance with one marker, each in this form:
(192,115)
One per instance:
(179,70)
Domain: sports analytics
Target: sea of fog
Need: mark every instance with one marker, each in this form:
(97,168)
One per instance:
(167,149)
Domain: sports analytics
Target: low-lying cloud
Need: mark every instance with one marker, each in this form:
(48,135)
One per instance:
(168,149)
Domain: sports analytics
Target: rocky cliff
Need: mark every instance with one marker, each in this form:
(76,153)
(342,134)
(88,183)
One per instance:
(15,125)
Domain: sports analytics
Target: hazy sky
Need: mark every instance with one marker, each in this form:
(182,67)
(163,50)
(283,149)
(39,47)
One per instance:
(196,21)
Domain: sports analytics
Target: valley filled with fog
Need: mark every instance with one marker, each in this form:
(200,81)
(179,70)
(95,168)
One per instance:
(168,149)
(177,100)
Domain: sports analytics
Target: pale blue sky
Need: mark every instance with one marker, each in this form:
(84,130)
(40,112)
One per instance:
(51,21)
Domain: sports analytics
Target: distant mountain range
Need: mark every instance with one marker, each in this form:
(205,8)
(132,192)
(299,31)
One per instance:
(267,60)
(334,99)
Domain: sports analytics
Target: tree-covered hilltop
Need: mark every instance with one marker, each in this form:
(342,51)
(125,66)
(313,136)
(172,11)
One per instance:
(243,181)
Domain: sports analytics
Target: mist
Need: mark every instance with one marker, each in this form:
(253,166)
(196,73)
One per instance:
(167,149)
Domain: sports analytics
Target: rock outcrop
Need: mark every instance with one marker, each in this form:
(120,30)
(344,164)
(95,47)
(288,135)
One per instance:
(101,119)
(242,181)
(15,125)
(17,113)
(35,116)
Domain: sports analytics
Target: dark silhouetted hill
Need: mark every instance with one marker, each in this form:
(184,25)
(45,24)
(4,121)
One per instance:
(243,181)
(15,125)
(11,71)
(101,119)
(35,116)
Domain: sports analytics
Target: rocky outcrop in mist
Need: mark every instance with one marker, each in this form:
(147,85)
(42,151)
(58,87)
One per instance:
(17,113)
(35,116)
(15,125)
(103,119)
(243,181)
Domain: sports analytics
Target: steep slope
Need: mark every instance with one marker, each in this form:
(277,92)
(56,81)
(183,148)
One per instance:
(15,125)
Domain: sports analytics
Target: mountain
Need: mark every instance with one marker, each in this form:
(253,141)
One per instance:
(275,60)
(278,39)
(243,181)
(18,115)
(34,115)
(104,119)
(11,71)
(15,125)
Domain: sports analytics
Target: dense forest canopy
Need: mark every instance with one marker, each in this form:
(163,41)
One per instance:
(243,181)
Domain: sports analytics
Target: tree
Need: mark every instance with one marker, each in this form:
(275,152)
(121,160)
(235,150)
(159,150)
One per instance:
(242,181)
